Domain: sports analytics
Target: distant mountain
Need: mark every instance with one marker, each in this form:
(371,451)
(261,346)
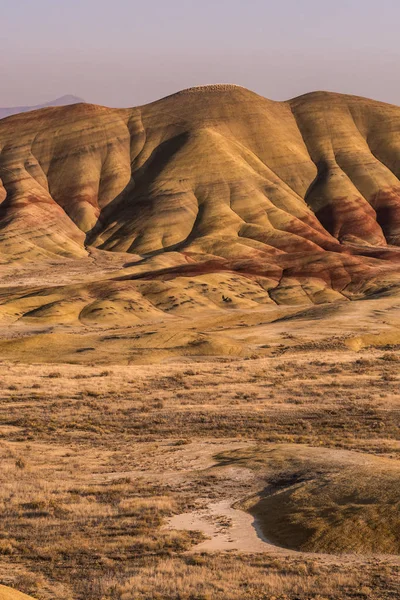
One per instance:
(63,101)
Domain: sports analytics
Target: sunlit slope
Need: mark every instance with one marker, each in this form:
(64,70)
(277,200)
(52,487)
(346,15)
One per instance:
(7,593)
(224,178)
(324,500)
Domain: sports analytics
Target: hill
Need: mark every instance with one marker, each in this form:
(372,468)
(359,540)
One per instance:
(219,174)
(213,198)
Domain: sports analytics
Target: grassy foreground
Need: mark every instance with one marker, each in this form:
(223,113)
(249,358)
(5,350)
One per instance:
(95,461)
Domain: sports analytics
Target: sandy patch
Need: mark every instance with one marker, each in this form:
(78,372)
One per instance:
(226,527)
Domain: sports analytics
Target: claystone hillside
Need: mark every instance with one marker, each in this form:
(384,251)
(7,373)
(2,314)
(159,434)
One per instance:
(299,194)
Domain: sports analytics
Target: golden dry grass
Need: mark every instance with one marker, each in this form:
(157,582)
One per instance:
(95,459)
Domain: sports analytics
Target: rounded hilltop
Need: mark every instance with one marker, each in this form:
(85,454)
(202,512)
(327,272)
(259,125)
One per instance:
(212,90)
(213,87)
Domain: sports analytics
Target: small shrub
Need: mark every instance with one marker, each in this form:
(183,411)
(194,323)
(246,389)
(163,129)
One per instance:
(20,463)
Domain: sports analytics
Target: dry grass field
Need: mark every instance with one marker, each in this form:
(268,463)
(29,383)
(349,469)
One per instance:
(96,461)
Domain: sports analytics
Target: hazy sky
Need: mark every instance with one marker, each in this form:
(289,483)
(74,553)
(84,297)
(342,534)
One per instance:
(128,52)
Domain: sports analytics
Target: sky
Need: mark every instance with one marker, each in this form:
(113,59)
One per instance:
(128,52)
